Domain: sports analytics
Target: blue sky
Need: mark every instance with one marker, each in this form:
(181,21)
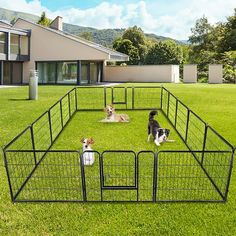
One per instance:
(170,18)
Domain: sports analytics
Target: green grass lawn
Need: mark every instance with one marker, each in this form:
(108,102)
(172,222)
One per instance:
(216,104)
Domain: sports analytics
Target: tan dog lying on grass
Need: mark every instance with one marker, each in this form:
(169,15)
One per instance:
(113,117)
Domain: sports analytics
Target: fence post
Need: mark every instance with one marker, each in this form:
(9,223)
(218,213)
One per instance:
(61,114)
(33,144)
(168,104)
(155,165)
(176,110)
(83,177)
(76,97)
(229,174)
(186,132)
(69,104)
(8,175)
(101,175)
(50,125)
(132,97)
(162,98)
(204,143)
(105,96)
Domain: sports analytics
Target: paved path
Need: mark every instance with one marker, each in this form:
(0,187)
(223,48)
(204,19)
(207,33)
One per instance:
(8,86)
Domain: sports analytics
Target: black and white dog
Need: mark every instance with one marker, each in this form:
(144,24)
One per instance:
(159,134)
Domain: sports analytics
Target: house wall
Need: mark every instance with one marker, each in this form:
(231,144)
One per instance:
(147,73)
(46,45)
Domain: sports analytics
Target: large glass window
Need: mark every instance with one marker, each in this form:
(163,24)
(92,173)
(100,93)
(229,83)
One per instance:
(6,73)
(47,72)
(67,72)
(84,73)
(14,39)
(2,42)
(93,73)
(12,72)
(24,45)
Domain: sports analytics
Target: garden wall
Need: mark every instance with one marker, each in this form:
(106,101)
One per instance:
(147,73)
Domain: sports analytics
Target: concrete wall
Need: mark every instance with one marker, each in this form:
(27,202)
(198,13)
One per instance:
(149,73)
(190,73)
(215,75)
(47,45)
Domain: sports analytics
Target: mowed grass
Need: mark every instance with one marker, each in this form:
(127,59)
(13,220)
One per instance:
(214,103)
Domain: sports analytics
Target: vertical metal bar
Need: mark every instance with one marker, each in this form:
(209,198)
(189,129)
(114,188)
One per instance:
(133,98)
(50,125)
(61,113)
(69,104)
(112,95)
(137,175)
(162,98)
(100,172)
(229,174)
(204,143)
(187,124)
(8,174)
(76,101)
(126,97)
(176,111)
(33,143)
(105,96)
(155,163)
(168,104)
(83,178)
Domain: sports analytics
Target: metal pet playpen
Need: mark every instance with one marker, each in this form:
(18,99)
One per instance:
(36,173)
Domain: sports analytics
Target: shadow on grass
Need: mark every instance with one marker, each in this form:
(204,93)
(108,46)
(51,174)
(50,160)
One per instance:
(19,99)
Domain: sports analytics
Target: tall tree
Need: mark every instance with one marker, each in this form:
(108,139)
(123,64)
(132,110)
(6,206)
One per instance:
(126,46)
(44,20)
(166,52)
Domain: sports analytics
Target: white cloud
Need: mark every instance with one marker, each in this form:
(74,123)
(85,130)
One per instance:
(147,16)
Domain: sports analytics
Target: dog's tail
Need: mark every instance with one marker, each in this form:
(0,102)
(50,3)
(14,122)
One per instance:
(152,114)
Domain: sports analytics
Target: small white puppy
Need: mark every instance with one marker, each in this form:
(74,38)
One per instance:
(88,157)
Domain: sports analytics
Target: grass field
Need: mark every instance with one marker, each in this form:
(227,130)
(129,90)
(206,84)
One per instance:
(214,103)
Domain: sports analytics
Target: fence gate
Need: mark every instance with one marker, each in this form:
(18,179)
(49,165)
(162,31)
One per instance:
(119,176)
(119,95)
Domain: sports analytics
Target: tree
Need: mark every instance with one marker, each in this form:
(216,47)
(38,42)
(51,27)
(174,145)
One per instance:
(126,46)
(200,34)
(86,35)
(44,20)
(136,36)
(229,40)
(166,52)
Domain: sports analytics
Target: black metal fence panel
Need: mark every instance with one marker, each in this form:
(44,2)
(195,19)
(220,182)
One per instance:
(36,173)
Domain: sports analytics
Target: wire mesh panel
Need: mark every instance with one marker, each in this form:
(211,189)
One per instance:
(181,120)
(72,101)
(172,109)
(19,165)
(41,130)
(23,141)
(146,176)
(56,120)
(119,179)
(57,178)
(146,97)
(90,98)
(92,177)
(195,134)
(164,100)
(181,178)
(65,109)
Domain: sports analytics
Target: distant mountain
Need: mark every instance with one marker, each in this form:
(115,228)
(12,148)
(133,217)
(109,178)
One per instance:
(104,37)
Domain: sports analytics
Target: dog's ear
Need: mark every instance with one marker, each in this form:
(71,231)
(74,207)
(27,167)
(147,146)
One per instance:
(91,141)
(82,140)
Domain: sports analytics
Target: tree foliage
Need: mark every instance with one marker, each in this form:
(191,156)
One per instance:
(86,35)
(126,46)
(44,20)
(166,52)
